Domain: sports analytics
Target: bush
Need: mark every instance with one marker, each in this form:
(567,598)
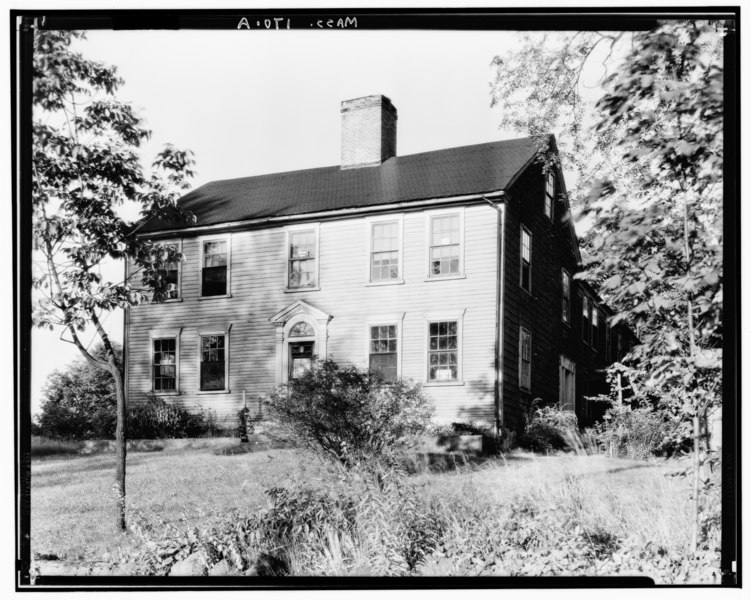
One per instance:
(548,428)
(352,416)
(456,429)
(156,419)
(639,432)
(79,402)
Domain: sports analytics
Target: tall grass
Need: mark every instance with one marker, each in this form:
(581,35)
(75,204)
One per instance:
(44,446)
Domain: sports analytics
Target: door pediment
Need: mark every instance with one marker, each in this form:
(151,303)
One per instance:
(300,307)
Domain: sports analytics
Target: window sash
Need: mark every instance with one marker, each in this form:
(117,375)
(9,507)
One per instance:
(525,359)
(164,364)
(214,268)
(383,350)
(301,268)
(445,245)
(526,260)
(213,363)
(443,351)
(566,297)
(549,194)
(586,319)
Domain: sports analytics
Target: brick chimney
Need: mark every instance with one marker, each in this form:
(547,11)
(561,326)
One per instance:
(368,131)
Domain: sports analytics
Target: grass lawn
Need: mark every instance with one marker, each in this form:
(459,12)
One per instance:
(72,509)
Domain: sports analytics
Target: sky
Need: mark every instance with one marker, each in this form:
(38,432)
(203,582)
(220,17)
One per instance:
(249,102)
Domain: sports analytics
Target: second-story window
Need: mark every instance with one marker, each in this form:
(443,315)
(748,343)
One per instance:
(445,245)
(566,296)
(595,327)
(526,260)
(302,259)
(586,319)
(549,194)
(384,251)
(214,268)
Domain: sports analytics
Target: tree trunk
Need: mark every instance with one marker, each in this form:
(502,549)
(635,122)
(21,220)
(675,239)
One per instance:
(121,451)
(695,495)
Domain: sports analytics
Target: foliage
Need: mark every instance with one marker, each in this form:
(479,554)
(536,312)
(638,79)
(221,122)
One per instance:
(548,428)
(42,446)
(85,167)
(653,136)
(79,402)
(352,416)
(157,419)
(457,428)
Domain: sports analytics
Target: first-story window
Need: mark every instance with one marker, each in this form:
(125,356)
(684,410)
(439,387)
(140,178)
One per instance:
(525,359)
(302,259)
(164,365)
(213,362)
(383,350)
(214,268)
(443,351)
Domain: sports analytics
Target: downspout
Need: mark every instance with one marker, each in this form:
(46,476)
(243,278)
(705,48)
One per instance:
(500,275)
(126,339)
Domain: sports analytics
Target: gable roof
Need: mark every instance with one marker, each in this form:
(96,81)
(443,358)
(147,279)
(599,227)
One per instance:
(476,169)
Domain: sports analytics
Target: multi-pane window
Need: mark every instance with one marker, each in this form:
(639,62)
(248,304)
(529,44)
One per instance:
(443,351)
(595,328)
(526,262)
(445,245)
(566,296)
(383,350)
(549,194)
(173,273)
(608,349)
(164,365)
(384,251)
(525,359)
(302,259)
(586,319)
(213,356)
(214,268)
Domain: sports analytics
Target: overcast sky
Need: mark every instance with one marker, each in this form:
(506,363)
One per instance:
(253,102)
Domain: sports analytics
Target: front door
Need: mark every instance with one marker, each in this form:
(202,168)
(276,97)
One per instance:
(300,357)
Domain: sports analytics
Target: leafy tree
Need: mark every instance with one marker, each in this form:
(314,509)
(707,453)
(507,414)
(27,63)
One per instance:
(655,195)
(351,416)
(80,402)
(86,166)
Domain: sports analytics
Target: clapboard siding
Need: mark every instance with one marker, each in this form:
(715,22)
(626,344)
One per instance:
(541,311)
(258,263)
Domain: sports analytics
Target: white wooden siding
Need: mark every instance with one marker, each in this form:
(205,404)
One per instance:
(258,263)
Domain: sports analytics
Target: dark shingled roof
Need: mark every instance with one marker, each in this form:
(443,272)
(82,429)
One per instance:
(473,169)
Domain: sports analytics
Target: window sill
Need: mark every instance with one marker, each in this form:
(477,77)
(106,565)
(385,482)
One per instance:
(442,383)
(170,301)
(445,277)
(384,283)
(211,392)
(214,297)
(160,394)
(301,289)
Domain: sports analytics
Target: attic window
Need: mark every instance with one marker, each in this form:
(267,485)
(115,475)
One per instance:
(549,194)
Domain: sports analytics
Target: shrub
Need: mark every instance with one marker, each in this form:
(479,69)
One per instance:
(639,432)
(352,416)
(41,446)
(548,428)
(456,429)
(156,419)
(79,402)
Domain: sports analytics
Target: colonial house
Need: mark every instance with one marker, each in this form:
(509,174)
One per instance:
(453,268)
